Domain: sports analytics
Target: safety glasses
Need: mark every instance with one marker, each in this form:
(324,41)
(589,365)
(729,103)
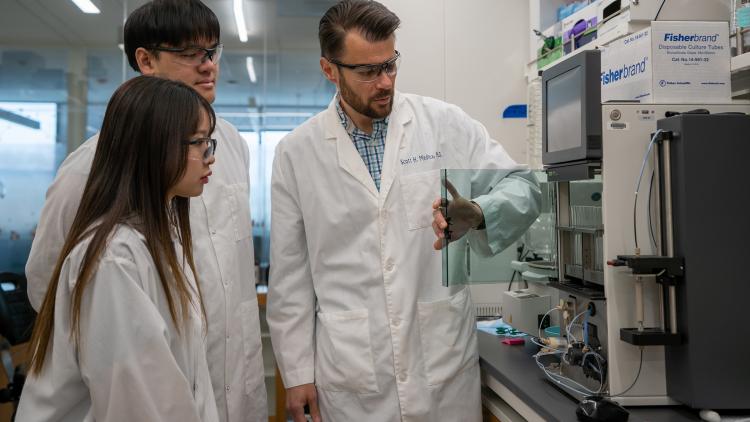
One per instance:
(208,145)
(371,72)
(193,55)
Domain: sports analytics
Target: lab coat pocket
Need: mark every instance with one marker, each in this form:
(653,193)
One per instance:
(448,336)
(418,191)
(238,198)
(343,358)
(251,344)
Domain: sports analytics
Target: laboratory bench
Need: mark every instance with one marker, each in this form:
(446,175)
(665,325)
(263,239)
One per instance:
(515,389)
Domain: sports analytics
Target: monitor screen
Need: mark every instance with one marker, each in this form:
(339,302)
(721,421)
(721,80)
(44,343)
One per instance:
(564,106)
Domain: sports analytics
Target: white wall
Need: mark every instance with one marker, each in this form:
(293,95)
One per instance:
(471,53)
(421,41)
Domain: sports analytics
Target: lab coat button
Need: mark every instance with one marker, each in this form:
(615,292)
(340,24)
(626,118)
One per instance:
(402,377)
(389,266)
(227,387)
(213,232)
(396,322)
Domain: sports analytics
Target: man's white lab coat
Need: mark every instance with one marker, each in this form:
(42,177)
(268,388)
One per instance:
(356,302)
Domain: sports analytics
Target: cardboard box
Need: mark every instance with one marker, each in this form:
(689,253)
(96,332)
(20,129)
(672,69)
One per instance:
(670,62)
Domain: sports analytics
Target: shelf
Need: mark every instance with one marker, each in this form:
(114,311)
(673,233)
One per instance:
(621,25)
(582,229)
(740,63)
(577,289)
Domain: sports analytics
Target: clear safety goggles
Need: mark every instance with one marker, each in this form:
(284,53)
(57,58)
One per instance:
(207,145)
(193,55)
(371,72)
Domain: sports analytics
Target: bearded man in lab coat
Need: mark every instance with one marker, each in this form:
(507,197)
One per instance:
(180,40)
(362,328)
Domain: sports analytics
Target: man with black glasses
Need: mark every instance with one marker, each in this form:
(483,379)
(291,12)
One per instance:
(362,328)
(180,40)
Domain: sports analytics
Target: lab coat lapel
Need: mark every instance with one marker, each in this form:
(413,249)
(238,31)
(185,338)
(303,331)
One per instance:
(398,128)
(348,156)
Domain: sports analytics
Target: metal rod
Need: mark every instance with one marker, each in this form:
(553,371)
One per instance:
(660,290)
(739,40)
(659,246)
(670,230)
(563,219)
(668,199)
(673,309)
(639,315)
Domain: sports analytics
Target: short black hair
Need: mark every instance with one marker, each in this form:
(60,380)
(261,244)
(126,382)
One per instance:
(175,23)
(373,20)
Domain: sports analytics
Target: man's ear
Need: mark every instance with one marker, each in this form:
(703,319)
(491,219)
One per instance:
(329,70)
(146,61)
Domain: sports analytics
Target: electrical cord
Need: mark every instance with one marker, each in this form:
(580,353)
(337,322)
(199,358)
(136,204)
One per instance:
(650,222)
(558,379)
(596,356)
(638,186)
(640,366)
(659,11)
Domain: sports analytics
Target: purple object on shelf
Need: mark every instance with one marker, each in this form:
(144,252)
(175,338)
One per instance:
(579,28)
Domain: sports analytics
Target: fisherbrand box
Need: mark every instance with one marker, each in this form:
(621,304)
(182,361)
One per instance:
(670,62)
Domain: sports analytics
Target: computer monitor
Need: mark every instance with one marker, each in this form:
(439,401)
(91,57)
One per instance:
(571,110)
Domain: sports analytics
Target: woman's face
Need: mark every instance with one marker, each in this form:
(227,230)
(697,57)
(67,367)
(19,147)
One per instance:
(197,170)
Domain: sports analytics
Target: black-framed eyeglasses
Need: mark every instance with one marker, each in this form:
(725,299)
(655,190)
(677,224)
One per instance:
(193,55)
(210,146)
(371,72)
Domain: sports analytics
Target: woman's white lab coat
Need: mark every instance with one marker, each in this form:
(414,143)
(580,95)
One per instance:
(132,364)
(223,252)
(356,302)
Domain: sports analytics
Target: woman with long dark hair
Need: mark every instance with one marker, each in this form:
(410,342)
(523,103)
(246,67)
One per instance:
(120,334)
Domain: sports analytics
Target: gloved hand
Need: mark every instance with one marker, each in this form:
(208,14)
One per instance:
(463,214)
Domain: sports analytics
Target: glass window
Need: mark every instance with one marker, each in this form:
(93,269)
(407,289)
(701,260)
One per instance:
(262,147)
(266,87)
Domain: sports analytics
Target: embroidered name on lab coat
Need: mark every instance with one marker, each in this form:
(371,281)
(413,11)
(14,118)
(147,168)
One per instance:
(421,158)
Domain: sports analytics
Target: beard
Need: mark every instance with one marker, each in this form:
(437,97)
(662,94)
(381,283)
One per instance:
(365,108)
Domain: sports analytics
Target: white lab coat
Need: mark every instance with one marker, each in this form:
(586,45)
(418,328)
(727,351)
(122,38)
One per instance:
(223,251)
(132,364)
(356,303)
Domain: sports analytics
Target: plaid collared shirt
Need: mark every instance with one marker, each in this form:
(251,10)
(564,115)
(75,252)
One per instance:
(371,147)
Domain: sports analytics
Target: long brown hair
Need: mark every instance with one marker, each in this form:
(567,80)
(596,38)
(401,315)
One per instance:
(141,154)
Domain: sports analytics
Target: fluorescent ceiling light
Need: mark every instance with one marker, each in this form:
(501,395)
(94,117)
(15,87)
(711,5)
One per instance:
(251,69)
(239,19)
(86,6)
